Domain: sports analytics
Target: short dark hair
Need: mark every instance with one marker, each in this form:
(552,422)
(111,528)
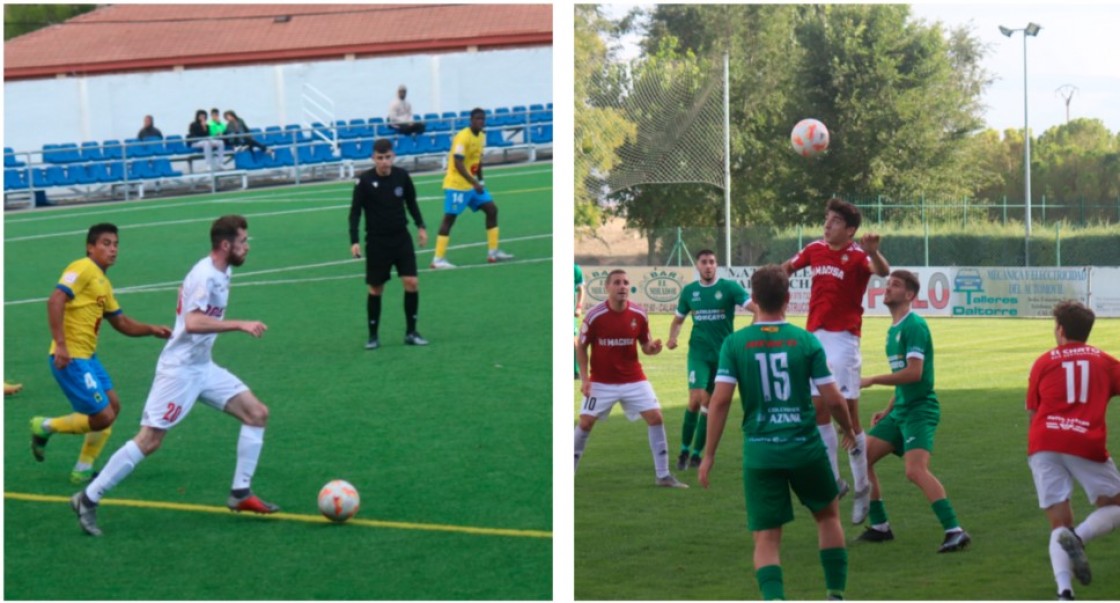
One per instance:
(201,112)
(97,230)
(770,288)
(909,279)
(704,252)
(477,111)
(610,275)
(225,229)
(849,212)
(1075,319)
(382,145)
(215,110)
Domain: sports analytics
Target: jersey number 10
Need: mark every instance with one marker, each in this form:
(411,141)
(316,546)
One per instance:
(1072,392)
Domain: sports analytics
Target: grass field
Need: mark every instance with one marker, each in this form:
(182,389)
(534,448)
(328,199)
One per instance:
(453,467)
(636,541)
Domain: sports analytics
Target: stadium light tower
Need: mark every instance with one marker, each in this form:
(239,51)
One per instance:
(1030,30)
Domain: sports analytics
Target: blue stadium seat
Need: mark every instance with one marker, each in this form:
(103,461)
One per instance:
(155,146)
(494,139)
(343,129)
(501,117)
(111,171)
(356,149)
(380,128)
(273,135)
(281,156)
(134,148)
(405,145)
(112,149)
(175,145)
(443,143)
(292,133)
(80,173)
(140,170)
(519,115)
(549,106)
(161,167)
(68,153)
(48,176)
(15,179)
(324,153)
(91,151)
(248,160)
(10,160)
(360,129)
(425,144)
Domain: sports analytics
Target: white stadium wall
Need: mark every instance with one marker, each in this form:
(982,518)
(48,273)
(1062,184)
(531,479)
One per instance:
(77,109)
(960,291)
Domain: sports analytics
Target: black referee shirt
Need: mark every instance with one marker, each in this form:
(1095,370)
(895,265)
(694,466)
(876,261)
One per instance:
(383,198)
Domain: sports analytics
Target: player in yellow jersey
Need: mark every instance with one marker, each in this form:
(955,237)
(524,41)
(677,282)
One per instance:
(82,297)
(463,188)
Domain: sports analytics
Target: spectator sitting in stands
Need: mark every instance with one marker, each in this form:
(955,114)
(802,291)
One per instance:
(237,133)
(400,115)
(198,136)
(217,128)
(149,131)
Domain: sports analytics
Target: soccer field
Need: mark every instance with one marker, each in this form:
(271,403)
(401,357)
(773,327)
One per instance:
(453,467)
(636,541)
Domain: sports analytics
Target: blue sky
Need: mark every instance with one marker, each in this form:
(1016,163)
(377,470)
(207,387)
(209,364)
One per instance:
(1078,46)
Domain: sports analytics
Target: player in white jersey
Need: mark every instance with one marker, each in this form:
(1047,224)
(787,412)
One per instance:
(186,373)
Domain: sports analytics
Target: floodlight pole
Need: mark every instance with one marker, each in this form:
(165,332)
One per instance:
(727,158)
(1030,30)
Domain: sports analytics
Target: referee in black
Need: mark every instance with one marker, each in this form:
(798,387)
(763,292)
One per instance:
(383,193)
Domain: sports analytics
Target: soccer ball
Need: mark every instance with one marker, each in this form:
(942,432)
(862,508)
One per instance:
(809,138)
(338,500)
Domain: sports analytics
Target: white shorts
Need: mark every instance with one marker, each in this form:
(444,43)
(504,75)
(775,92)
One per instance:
(1054,473)
(842,350)
(175,390)
(635,399)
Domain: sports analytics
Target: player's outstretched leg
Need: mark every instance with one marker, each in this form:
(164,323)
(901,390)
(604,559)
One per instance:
(1072,546)
(253,415)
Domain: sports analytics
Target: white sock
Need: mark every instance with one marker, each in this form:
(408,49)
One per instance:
(581,443)
(249,445)
(1059,560)
(119,466)
(659,448)
(828,434)
(857,459)
(1099,523)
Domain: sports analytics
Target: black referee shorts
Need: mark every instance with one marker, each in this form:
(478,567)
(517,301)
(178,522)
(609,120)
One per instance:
(383,252)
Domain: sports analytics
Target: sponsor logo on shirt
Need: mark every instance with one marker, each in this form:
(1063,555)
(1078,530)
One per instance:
(70,277)
(399,191)
(833,271)
(215,311)
(615,341)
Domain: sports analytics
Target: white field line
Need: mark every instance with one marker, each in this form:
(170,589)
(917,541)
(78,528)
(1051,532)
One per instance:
(266,196)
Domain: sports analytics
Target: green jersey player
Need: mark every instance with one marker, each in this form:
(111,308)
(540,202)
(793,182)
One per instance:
(906,427)
(773,363)
(712,302)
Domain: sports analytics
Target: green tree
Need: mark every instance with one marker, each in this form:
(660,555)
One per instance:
(598,130)
(25,18)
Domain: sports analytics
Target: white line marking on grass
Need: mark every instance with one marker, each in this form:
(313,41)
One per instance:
(257,215)
(369,523)
(252,196)
(174,285)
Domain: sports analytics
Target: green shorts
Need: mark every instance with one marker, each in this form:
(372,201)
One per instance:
(914,431)
(769,504)
(702,373)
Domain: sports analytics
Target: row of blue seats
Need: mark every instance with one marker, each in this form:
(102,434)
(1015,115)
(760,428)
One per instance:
(275,135)
(102,170)
(87,173)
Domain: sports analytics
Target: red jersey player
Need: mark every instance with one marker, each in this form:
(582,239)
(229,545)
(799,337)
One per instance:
(1067,398)
(613,330)
(840,270)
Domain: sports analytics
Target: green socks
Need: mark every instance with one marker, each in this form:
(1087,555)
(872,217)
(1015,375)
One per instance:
(945,514)
(878,513)
(770,582)
(701,435)
(689,429)
(835,564)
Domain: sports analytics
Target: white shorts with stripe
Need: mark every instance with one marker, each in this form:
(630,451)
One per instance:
(176,388)
(844,360)
(1055,472)
(635,399)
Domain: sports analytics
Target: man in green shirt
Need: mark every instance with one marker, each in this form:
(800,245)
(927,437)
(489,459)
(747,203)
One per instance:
(712,302)
(217,127)
(773,363)
(906,427)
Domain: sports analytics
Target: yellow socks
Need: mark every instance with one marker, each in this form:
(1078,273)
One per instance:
(92,447)
(441,245)
(492,238)
(71,423)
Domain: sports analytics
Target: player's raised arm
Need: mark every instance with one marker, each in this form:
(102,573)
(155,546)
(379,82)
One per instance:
(870,244)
